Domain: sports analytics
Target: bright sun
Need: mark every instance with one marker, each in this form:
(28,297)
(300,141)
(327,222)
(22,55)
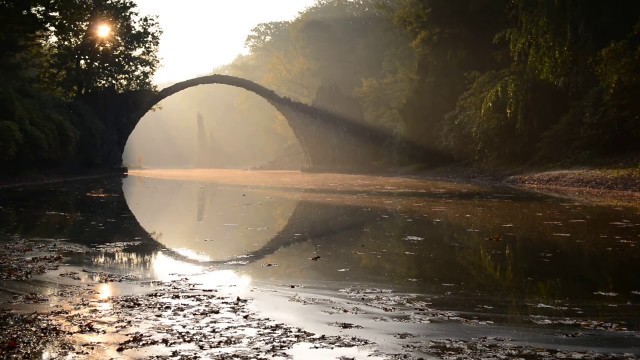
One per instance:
(103,31)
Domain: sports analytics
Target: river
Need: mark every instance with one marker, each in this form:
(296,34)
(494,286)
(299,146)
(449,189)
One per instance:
(390,265)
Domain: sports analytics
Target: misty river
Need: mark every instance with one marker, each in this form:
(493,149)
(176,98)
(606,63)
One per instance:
(407,264)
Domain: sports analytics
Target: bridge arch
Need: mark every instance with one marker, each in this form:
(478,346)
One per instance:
(281,104)
(329,142)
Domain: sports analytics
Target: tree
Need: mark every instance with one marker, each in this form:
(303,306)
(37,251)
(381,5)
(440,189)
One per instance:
(84,62)
(566,88)
(22,31)
(561,56)
(53,67)
(269,36)
(33,126)
(453,38)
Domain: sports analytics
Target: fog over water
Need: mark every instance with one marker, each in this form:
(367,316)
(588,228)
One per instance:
(238,129)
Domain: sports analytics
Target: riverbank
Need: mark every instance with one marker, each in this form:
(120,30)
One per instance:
(619,186)
(600,184)
(59,175)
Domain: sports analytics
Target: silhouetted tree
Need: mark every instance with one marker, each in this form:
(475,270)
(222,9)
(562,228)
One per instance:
(49,55)
(83,62)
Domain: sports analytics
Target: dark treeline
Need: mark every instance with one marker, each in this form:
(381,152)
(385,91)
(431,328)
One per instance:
(56,74)
(498,82)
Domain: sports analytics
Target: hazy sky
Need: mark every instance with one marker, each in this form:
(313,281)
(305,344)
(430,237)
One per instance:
(200,35)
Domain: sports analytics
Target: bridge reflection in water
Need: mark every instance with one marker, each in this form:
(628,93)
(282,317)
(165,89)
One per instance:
(521,260)
(358,227)
(424,236)
(209,222)
(463,246)
(233,218)
(466,247)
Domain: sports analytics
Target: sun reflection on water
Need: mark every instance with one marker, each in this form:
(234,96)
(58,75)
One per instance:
(225,278)
(192,255)
(105,291)
(167,268)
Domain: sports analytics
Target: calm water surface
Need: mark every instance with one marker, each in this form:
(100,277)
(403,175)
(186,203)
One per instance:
(426,258)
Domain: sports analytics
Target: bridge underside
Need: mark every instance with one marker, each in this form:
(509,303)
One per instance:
(329,144)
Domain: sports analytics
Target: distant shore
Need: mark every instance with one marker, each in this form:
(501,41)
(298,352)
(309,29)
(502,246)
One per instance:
(609,186)
(598,184)
(612,186)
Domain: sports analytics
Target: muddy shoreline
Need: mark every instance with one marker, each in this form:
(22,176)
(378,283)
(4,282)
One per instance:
(99,314)
(605,186)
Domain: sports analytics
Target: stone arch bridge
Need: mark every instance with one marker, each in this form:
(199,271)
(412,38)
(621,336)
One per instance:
(330,142)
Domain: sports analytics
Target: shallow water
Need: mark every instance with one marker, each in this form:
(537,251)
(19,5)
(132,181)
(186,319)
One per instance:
(394,260)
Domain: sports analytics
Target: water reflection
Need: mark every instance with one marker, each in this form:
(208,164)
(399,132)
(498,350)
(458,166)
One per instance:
(105,291)
(471,248)
(501,254)
(206,221)
(167,268)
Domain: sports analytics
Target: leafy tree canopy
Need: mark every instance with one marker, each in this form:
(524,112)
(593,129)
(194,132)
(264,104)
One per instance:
(54,64)
(83,62)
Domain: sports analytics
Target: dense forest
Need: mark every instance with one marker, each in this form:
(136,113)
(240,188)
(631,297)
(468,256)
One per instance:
(494,82)
(509,82)
(56,72)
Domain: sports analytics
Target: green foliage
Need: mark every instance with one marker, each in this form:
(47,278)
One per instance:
(10,140)
(271,36)
(21,35)
(332,42)
(568,90)
(35,129)
(382,100)
(478,116)
(453,38)
(618,64)
(539,40)
(49,56)
(82,62)
(414,16)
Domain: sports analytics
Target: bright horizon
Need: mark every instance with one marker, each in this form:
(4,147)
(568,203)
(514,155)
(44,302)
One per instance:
(202,35)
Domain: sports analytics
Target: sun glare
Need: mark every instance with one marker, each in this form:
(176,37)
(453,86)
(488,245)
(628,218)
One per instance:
(103,31)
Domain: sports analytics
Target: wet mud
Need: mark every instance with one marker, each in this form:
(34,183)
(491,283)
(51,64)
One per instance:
(182,319)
